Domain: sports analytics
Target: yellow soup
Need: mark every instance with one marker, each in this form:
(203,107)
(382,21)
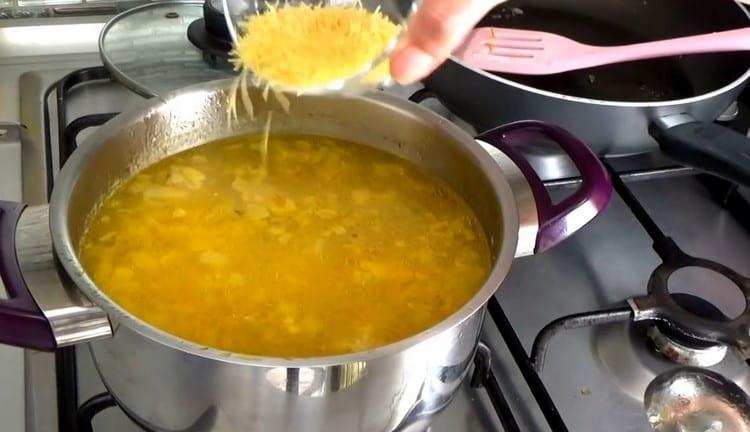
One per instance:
(333,248)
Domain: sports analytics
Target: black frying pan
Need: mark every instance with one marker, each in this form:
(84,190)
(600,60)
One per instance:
(625,108)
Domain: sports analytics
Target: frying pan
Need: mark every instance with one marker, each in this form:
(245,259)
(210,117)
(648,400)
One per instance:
(621,109)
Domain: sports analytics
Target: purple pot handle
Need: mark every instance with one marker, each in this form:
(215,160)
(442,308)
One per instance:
(22,322)
(556,221)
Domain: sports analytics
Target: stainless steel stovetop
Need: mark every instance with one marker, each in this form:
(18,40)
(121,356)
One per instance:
(594,376)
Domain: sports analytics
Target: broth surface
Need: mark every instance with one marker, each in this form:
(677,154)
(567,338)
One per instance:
(334,248)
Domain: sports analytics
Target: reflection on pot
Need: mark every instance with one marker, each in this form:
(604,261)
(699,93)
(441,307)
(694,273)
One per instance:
(316,382)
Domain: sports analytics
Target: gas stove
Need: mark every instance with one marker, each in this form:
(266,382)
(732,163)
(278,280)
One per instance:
(578,338)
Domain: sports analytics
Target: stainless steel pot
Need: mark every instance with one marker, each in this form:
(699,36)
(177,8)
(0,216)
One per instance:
(170,384)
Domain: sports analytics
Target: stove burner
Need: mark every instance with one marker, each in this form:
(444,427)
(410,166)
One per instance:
(684,354)
(626,354)
(690,321)
(683,348)
(211,35)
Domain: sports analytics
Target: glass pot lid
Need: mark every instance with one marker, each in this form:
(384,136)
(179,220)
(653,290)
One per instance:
(148,50)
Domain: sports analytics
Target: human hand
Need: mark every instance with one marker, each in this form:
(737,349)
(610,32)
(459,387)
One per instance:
(435,30)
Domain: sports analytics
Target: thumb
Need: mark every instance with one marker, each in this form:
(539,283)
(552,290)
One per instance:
(435,30)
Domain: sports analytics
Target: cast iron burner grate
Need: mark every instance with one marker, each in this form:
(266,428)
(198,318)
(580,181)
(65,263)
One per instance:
(73,417)
(678,346)
(697,306)
(693,321)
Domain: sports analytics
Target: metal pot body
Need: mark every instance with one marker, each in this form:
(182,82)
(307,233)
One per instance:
(168,389)
(166,383)
(170,384)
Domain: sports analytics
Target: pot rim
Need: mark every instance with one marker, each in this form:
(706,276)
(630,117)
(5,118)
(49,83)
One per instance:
(742,79)
(64,248)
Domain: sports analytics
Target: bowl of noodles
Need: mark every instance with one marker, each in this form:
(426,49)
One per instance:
(314,47)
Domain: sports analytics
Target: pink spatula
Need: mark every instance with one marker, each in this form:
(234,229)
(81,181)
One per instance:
(538,53)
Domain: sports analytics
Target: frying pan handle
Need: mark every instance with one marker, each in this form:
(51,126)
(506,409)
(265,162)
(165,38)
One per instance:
(556,221)
(706,146)
(22,322)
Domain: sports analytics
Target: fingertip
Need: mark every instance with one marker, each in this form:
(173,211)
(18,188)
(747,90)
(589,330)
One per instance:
(410,64)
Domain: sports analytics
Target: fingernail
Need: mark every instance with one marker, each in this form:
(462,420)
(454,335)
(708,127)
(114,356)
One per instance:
(411,64)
